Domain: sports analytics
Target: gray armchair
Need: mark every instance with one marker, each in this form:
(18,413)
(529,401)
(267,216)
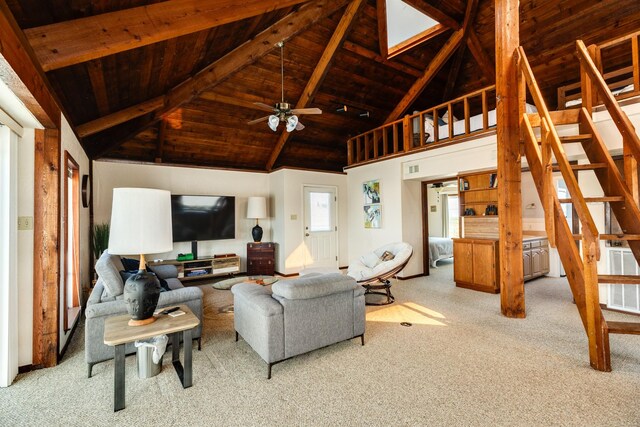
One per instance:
(299,316)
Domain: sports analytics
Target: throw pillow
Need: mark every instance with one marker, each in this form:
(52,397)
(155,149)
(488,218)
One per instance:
(370,260)
(387,256)
(110,274)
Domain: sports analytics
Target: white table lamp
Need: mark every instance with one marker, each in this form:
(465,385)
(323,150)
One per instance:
(257,209)
(140,225)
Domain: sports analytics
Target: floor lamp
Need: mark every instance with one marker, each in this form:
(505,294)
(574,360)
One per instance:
(141,225)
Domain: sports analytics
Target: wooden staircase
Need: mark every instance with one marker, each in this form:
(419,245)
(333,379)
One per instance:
(543,147)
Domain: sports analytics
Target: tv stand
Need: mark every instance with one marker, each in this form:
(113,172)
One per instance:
(203,268)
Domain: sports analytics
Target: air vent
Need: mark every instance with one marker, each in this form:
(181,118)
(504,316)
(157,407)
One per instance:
(414,169)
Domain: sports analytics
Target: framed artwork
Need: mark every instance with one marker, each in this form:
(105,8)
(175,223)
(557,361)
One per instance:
(371,192)
(372,215)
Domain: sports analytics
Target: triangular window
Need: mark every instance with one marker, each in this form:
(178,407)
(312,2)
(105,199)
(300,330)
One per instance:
(405,27)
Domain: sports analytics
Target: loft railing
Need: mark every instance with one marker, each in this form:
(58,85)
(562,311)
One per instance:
(623,82)
(411,134)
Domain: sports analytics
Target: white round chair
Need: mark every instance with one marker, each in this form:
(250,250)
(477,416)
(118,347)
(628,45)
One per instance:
(373,272)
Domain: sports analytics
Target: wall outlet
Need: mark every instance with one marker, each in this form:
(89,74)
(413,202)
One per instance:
(434,208)
(25,223)
(294,217)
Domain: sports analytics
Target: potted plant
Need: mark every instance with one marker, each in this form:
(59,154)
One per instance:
(100,239)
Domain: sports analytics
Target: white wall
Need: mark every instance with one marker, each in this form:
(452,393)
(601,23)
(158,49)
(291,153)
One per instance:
(70,144)
(182,180)
(435,217)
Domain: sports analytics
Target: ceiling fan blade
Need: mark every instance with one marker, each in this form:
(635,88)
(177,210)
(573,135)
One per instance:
(264,106)
(299,126)
(261,119)
(306,111)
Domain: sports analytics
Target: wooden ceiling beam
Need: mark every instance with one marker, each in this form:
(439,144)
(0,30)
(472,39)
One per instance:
(215,73)
(434,13)
(317,77)
(484,61)
(381,10)
(119,117)
(454,71)
(366,53)
(429,73)
(71,42)
(23,71)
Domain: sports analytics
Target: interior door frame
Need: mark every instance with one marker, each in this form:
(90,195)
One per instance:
(425,220)
(335,214)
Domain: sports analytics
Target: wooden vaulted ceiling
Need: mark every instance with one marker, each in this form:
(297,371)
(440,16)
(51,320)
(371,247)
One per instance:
(179,114)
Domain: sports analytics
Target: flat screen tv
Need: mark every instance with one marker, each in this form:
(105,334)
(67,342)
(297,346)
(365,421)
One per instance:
(203,218)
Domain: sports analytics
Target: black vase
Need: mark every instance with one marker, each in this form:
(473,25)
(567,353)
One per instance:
(256,232)
(141,293)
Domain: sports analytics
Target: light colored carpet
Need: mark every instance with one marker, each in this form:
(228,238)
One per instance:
(461,363)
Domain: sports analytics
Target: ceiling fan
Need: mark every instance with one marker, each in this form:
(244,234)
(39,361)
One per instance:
(283,111)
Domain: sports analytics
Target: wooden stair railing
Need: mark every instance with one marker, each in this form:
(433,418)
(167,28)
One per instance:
(540,151)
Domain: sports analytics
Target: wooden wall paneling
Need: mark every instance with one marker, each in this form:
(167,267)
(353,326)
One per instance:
(66,43)
(320,71)
(46,271)
(507,20)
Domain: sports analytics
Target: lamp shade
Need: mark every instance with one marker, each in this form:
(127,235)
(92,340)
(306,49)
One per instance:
(140,222)
(257,208)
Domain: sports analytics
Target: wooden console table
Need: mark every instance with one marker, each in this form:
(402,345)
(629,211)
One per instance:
(211,266)
(117,333)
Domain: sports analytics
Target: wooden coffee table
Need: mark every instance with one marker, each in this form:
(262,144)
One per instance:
(117,333)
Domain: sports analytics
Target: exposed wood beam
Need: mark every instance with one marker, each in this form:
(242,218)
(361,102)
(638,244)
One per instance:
(469,17)
(121,116)
(319,73)
(71,42)
(17,53)
(241,100)
(434,12)
(481,56)
(215,73)
(507,22)
(46,238)
(429,73)
(381,10)
(366,53)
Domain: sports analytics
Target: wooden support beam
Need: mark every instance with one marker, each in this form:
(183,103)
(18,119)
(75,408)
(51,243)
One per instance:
(482,58)
(381,10)
(507,22)
(121,116)
(71,42)
(319,73)
(23,71)
(469,17)
(46,263)
(429,73)
(216,72)
(366,53)
(434,13)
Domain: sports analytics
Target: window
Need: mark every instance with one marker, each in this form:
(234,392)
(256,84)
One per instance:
(404,27)
(71,274)
(320,214)
(451,216)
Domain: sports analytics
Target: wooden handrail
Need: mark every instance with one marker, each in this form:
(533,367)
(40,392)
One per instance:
(620,119)
(357,152)
(590,232)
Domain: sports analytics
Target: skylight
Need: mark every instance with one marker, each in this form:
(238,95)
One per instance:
(405,24)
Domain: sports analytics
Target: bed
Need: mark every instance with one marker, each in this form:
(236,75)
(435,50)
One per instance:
(439,248)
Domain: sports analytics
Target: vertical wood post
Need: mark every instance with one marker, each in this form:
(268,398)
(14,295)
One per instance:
(46,263)
(407,133)
(509,165)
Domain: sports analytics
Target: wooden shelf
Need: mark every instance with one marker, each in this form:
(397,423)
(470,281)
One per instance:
(479,195)
(479,189)
(212,266)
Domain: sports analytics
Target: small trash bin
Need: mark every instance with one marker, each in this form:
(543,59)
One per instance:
(149,356)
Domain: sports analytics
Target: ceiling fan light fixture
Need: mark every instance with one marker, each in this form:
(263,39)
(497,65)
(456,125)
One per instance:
(292,122)
(273,122)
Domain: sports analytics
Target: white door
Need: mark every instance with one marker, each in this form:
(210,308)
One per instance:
(320,230)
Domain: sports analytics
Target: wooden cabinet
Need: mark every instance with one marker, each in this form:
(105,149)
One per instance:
(535,257)
(203,268)
(476,264)
(478,196)
(261,259)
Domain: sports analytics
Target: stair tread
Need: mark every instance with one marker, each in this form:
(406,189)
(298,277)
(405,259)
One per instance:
(632,328)
(619,279)
(569,139)
(597,199)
